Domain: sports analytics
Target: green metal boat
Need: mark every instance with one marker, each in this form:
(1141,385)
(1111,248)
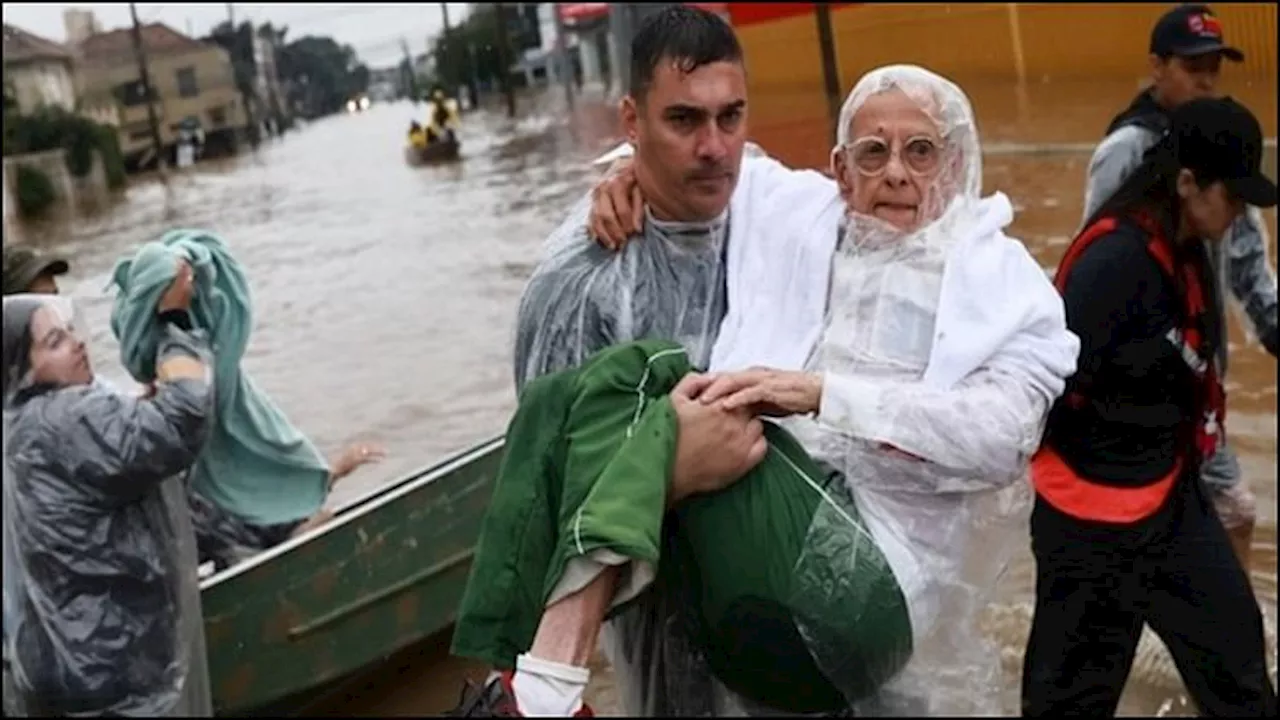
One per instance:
(387,572)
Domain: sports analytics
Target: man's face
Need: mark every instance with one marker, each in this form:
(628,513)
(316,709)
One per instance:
(892,167)
(44,284)
(1177,80)
(688,132)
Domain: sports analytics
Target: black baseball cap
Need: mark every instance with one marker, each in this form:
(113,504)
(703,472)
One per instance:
(1190,30)
(1219,139)
(22,265)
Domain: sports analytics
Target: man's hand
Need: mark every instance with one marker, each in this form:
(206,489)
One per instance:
(617,209)
(715,447)
(764,391)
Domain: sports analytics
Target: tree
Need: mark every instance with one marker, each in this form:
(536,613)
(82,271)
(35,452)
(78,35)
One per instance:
(323,74)
(318,74)
(470,43)
(10,97)
(238,42)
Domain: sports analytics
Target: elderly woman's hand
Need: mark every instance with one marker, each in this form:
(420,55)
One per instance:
(352,458)
(617,208)
(766,391)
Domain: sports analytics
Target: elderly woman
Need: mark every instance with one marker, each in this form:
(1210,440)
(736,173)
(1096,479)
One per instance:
(917,387)
(102,605)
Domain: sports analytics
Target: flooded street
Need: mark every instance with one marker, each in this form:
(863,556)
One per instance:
(386,296)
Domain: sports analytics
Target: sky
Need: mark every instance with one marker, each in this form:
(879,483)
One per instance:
(374,30)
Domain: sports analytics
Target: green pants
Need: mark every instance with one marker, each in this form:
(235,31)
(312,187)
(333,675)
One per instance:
(784,590)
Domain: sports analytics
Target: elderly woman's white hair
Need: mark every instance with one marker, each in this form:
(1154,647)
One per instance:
(949,108)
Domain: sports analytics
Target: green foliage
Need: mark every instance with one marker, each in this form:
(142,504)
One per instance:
(238,42)
(80,140)
(321,73)
(35,191)
(108,143)
(472,43)
(10,98)
(55,128)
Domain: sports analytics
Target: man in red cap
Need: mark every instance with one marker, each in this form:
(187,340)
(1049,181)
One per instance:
(1186,54)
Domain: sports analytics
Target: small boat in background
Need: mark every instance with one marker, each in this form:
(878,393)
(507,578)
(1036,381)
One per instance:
(446,150)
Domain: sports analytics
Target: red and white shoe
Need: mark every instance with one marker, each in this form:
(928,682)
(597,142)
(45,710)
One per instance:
(496,699)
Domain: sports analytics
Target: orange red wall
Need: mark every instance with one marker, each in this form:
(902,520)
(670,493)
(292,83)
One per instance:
(1038,42)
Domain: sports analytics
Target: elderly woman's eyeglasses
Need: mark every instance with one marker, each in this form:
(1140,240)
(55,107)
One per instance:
(871,155)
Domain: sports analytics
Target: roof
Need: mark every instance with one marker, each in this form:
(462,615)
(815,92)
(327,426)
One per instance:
(156,38)
(22,46)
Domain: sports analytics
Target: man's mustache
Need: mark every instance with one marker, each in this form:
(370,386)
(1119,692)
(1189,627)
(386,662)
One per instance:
(715,172)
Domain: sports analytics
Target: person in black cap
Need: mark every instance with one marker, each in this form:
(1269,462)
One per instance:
(29,271)
(1123,530)
(1187,49)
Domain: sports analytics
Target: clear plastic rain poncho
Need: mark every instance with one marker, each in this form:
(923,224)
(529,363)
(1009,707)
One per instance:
(101,600)
(949,515)
(584,298)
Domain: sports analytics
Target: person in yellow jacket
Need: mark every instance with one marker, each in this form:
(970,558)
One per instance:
(442,117)
(417,137)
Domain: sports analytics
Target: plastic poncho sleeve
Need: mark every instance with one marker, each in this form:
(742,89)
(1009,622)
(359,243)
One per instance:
(1250,276)
(1115,158)
(559,323)
(984,430)
(127,445)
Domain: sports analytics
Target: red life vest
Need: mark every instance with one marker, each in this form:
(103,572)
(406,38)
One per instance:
(1087,499)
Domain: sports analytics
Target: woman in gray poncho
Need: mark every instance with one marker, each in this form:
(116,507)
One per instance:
(101,602)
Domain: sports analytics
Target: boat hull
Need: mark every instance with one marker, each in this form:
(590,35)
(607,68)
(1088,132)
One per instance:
(387,572)
(438,152)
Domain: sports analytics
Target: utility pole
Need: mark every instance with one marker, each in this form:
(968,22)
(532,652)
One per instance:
(562,55)
(250,123)
(157,144)
(412,81)
(504,57)
(830,67)
(620,29)
(444,63)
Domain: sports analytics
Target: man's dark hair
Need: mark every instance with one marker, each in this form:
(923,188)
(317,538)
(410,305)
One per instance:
(689,36)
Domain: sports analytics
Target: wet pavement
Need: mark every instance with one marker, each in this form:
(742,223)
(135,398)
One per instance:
(385,298)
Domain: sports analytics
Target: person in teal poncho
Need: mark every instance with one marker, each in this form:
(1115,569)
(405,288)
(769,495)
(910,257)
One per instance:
(259,481)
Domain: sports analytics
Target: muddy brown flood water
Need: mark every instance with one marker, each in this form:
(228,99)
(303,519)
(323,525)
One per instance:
(385,298)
